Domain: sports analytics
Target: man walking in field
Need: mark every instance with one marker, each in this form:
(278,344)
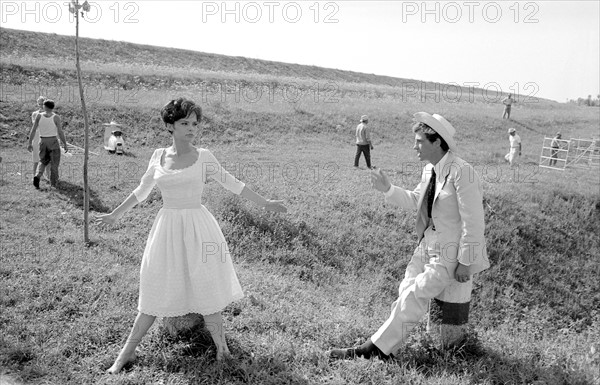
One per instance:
(363,142)
(450,231)
(555,144)
(514,151)
(508,101)
(50,128)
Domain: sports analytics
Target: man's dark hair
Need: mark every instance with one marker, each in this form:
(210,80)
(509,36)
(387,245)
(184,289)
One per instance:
(430,134)
(49,103)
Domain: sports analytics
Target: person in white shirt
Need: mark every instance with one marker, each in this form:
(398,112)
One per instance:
(515,148)
(50,128)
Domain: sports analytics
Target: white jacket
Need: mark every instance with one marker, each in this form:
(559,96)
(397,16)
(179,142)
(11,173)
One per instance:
(457,211)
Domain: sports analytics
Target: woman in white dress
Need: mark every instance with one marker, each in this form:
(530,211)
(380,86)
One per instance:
(186,267)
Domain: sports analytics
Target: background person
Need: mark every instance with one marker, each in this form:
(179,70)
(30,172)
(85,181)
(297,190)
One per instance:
(555,144)
(50,128)
(35,154)
(113,138)
(508,102)
(363,142)
(514,151)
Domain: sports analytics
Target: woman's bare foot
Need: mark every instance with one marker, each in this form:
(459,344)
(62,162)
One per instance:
(223,352)
(140,326)
(121,361)
(214,324)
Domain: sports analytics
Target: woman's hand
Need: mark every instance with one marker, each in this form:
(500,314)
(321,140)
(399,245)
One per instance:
(107,219)
(275,206)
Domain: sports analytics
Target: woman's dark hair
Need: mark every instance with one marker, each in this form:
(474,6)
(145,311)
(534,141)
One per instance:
(430,134)
(179,109)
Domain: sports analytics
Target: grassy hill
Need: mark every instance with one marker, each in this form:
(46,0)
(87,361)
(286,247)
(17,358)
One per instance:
(52,47)
(321,276)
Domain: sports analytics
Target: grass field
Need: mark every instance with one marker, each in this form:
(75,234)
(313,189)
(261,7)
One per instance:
(321,276)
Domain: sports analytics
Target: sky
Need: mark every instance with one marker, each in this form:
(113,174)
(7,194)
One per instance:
(548,49)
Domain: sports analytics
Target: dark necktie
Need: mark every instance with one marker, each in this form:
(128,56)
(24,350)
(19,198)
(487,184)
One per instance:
(430,193)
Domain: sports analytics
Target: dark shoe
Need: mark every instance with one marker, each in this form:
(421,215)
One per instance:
(366,350)
(36,182)
(342,354)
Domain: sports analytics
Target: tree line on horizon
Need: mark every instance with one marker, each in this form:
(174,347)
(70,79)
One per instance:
(589,102)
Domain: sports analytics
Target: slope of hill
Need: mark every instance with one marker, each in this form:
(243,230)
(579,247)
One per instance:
(45,50)
(24,43)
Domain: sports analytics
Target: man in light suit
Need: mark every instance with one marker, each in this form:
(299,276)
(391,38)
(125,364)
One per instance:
(450,230)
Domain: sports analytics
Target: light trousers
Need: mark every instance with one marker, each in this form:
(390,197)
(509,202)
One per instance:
(426,277)
(513,156)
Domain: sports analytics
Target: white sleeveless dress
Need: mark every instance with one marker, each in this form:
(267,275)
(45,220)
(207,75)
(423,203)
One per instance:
(186,267)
